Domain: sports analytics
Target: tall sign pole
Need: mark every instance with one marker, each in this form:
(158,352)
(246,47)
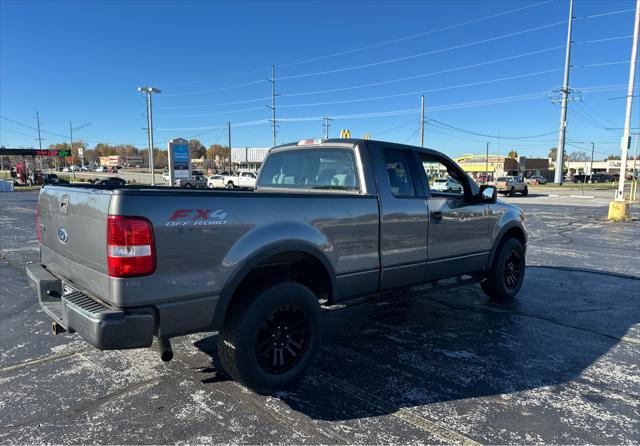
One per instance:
(563,111)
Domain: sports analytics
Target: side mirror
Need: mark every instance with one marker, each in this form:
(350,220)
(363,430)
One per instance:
(488,194)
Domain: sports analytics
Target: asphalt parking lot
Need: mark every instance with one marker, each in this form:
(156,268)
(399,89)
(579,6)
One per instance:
(559,364)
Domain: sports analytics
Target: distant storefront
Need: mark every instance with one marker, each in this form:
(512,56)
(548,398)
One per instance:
(494,165)
(122,161)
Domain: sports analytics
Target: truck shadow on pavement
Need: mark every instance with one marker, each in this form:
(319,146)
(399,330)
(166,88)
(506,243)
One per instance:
(413,350)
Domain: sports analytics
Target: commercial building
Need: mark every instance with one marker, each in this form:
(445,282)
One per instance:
(496,165)
(248,158)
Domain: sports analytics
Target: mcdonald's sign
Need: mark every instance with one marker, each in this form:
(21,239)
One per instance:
(345,134)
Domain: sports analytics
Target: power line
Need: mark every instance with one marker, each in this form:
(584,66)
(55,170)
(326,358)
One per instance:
(380,44)
(410,93)
(491,136)
(426,33)
(426,53)
(19,133)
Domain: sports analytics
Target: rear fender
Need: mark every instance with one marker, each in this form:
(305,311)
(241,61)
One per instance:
(258,245)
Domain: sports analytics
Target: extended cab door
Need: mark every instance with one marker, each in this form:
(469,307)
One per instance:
(403,217)
(459,225)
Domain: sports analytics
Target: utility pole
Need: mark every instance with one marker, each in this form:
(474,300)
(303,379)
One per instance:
(626,138)
(422,122)
(593,150)
(563,111)
(326,123)
(229,135)
(40,139)
(148,91)
(486,166)
(273,102)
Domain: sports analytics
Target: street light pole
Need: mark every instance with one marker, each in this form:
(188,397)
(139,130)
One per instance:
(626,138)
(148,91)
(71,130)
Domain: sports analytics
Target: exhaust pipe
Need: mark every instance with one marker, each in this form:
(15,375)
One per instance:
(56,328)
(163,346)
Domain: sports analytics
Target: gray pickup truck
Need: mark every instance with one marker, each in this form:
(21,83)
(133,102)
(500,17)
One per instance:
(330,220)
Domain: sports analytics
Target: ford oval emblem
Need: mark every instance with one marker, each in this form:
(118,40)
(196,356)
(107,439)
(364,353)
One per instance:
(63,236)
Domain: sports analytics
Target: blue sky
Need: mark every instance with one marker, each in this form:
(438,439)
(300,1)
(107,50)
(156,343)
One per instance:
(83,61)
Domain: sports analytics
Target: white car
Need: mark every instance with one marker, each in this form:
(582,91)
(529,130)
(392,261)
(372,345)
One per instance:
(446,185)
(165,176)
(215,182)
(101,169)
(246,179)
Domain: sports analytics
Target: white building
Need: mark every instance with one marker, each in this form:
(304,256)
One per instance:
(248,158)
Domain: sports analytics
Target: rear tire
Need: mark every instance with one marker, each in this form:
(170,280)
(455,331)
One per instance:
(229,185)
(187,185)
(268,341)
(525,192)
(507,272)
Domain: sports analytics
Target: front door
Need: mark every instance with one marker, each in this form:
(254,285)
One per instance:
(458,241)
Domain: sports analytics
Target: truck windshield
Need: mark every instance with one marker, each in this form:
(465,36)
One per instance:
(322,168)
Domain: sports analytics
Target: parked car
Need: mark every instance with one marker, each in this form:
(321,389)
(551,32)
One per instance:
(52,178)
(196,181)
(538,179)
(245,179)
(510,185)
(446,185)
(165,176)
(581,178)
(215,182)
(331,220)
(110,181)
(101,169)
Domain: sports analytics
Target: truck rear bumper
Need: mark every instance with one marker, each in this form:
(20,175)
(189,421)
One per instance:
(103,327)
(109,328)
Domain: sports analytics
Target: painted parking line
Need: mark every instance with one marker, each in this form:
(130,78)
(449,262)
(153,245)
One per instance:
(447,435)
(582,196)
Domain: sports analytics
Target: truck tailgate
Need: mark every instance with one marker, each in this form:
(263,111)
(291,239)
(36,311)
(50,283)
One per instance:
(73,227)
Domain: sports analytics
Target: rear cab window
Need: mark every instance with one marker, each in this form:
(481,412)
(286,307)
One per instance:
(321,168)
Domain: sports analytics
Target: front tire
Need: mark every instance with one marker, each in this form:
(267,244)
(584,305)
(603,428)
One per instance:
(507,272)
(268,341)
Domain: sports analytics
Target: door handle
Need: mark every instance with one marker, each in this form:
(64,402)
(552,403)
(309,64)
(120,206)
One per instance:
(436,215)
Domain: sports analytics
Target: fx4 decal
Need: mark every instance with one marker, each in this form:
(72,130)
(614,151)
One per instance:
(197,217)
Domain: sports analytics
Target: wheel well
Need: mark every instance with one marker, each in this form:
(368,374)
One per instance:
(294,265)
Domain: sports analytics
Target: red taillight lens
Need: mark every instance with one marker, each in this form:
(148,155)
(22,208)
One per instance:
(38,226)
(130,246)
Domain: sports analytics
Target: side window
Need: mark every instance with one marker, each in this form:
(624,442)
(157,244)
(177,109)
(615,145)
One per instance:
(400,178)
(440,179)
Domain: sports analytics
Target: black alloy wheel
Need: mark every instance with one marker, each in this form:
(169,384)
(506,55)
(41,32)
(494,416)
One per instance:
(283,339)
(513,268)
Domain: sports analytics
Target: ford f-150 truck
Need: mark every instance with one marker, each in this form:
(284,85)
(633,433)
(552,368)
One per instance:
(330,220)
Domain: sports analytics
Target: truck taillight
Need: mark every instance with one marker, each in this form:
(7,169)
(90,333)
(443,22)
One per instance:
(38,226)
(130,246)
